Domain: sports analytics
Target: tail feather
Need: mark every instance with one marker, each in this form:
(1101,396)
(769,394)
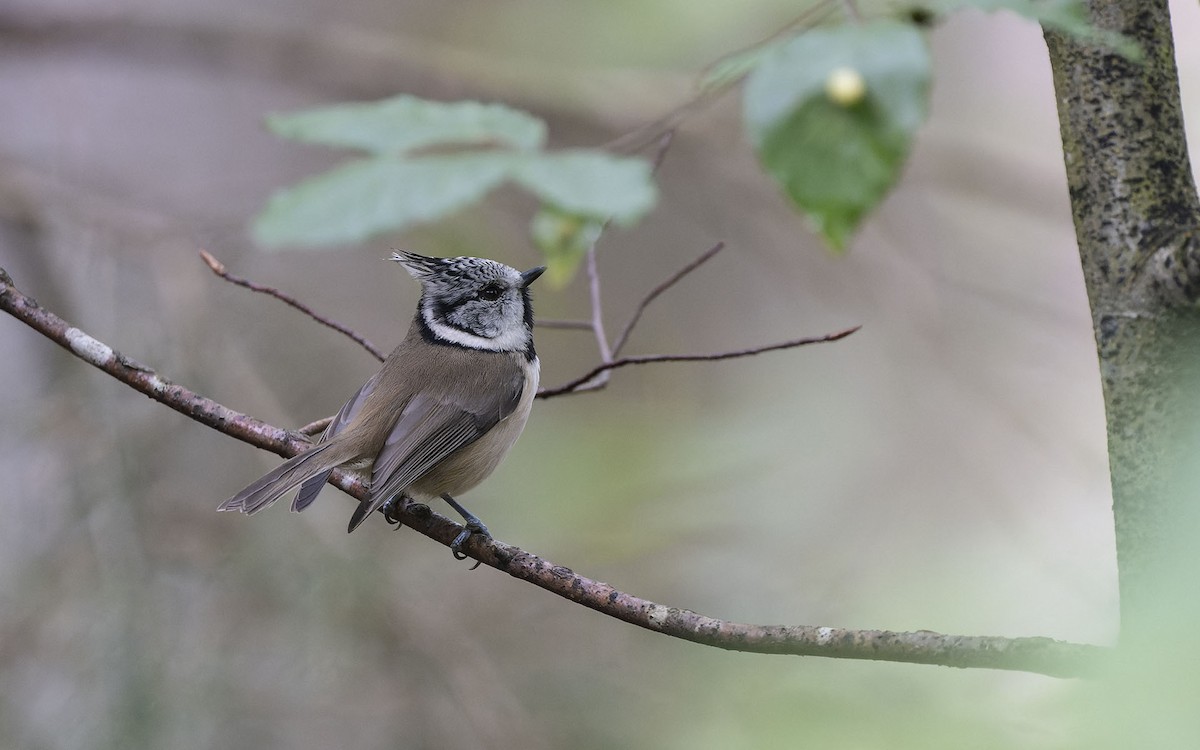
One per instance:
(365,506)
(309,490)
(286,477)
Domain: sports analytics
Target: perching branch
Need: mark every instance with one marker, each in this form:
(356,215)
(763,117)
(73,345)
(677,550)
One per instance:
(1038,655)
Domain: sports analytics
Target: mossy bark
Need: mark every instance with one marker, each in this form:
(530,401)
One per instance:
(1137,220)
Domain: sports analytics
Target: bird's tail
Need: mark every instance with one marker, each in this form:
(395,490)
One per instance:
(290,474)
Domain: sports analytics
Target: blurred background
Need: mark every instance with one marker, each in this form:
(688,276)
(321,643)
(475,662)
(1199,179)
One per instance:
(944,468)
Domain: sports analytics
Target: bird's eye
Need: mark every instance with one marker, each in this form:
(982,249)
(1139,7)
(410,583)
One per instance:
(491,292)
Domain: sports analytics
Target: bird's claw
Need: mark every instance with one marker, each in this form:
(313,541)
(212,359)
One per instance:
(469,528)
(391,512)
(392,509)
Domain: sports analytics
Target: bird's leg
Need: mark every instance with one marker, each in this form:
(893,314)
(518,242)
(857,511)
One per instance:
(471,525)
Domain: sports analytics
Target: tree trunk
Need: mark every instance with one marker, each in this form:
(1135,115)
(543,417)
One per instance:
(1137,222)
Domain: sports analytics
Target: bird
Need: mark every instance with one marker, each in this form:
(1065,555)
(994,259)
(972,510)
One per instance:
(445,407)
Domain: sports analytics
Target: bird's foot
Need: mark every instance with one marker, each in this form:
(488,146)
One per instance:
(471,525)
(469,528)
(393,507)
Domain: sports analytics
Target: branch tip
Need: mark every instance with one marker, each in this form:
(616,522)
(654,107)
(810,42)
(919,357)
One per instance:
(215,265)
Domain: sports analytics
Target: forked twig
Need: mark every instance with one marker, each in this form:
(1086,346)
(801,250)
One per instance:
(594,379)
(645,359)
(593,275)
(664,286)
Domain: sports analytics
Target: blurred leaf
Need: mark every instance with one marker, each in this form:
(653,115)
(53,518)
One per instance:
(404,123)
(1066,16)
(837,161)
(564,240)
(590,183)
(354,201)
(395,189)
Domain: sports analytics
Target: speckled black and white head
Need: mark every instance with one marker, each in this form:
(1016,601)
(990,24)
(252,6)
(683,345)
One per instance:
(474,302)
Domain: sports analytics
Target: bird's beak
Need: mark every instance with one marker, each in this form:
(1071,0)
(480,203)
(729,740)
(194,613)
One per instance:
(531,275)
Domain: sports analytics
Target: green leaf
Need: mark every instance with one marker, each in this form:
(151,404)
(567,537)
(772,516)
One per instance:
(564,240)
(836,161)
(354,201)
(590,184)
(404,123)
(395,189)
(1066,16)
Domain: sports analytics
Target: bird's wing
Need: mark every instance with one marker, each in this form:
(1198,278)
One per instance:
(434,424)
(313,486)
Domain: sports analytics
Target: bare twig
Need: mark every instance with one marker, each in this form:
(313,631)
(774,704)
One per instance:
(597,322)
(664,286)
(1038,655)
(573,325)
(643,135)
(640,137)
(593,274)
(597,306)
(660,152)
(219,269)
(646,359)
(315,428)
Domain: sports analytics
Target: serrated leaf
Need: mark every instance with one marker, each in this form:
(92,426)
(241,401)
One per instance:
(589,183)
(405,123)
(564,240)
(354,201)
(837,161)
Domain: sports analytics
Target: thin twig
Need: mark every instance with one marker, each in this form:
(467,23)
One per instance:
(314,428)
(597,311)
(219,269)
(664,286)
(645,359)
(593,273)
(660,153)
(641,136)
(573,325)
(597,307)
(1038,655)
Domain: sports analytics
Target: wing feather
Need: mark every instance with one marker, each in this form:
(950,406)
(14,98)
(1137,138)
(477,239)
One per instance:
(313,486)
(435,424)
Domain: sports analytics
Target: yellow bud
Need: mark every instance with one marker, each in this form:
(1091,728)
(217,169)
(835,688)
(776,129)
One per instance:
(845,86)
